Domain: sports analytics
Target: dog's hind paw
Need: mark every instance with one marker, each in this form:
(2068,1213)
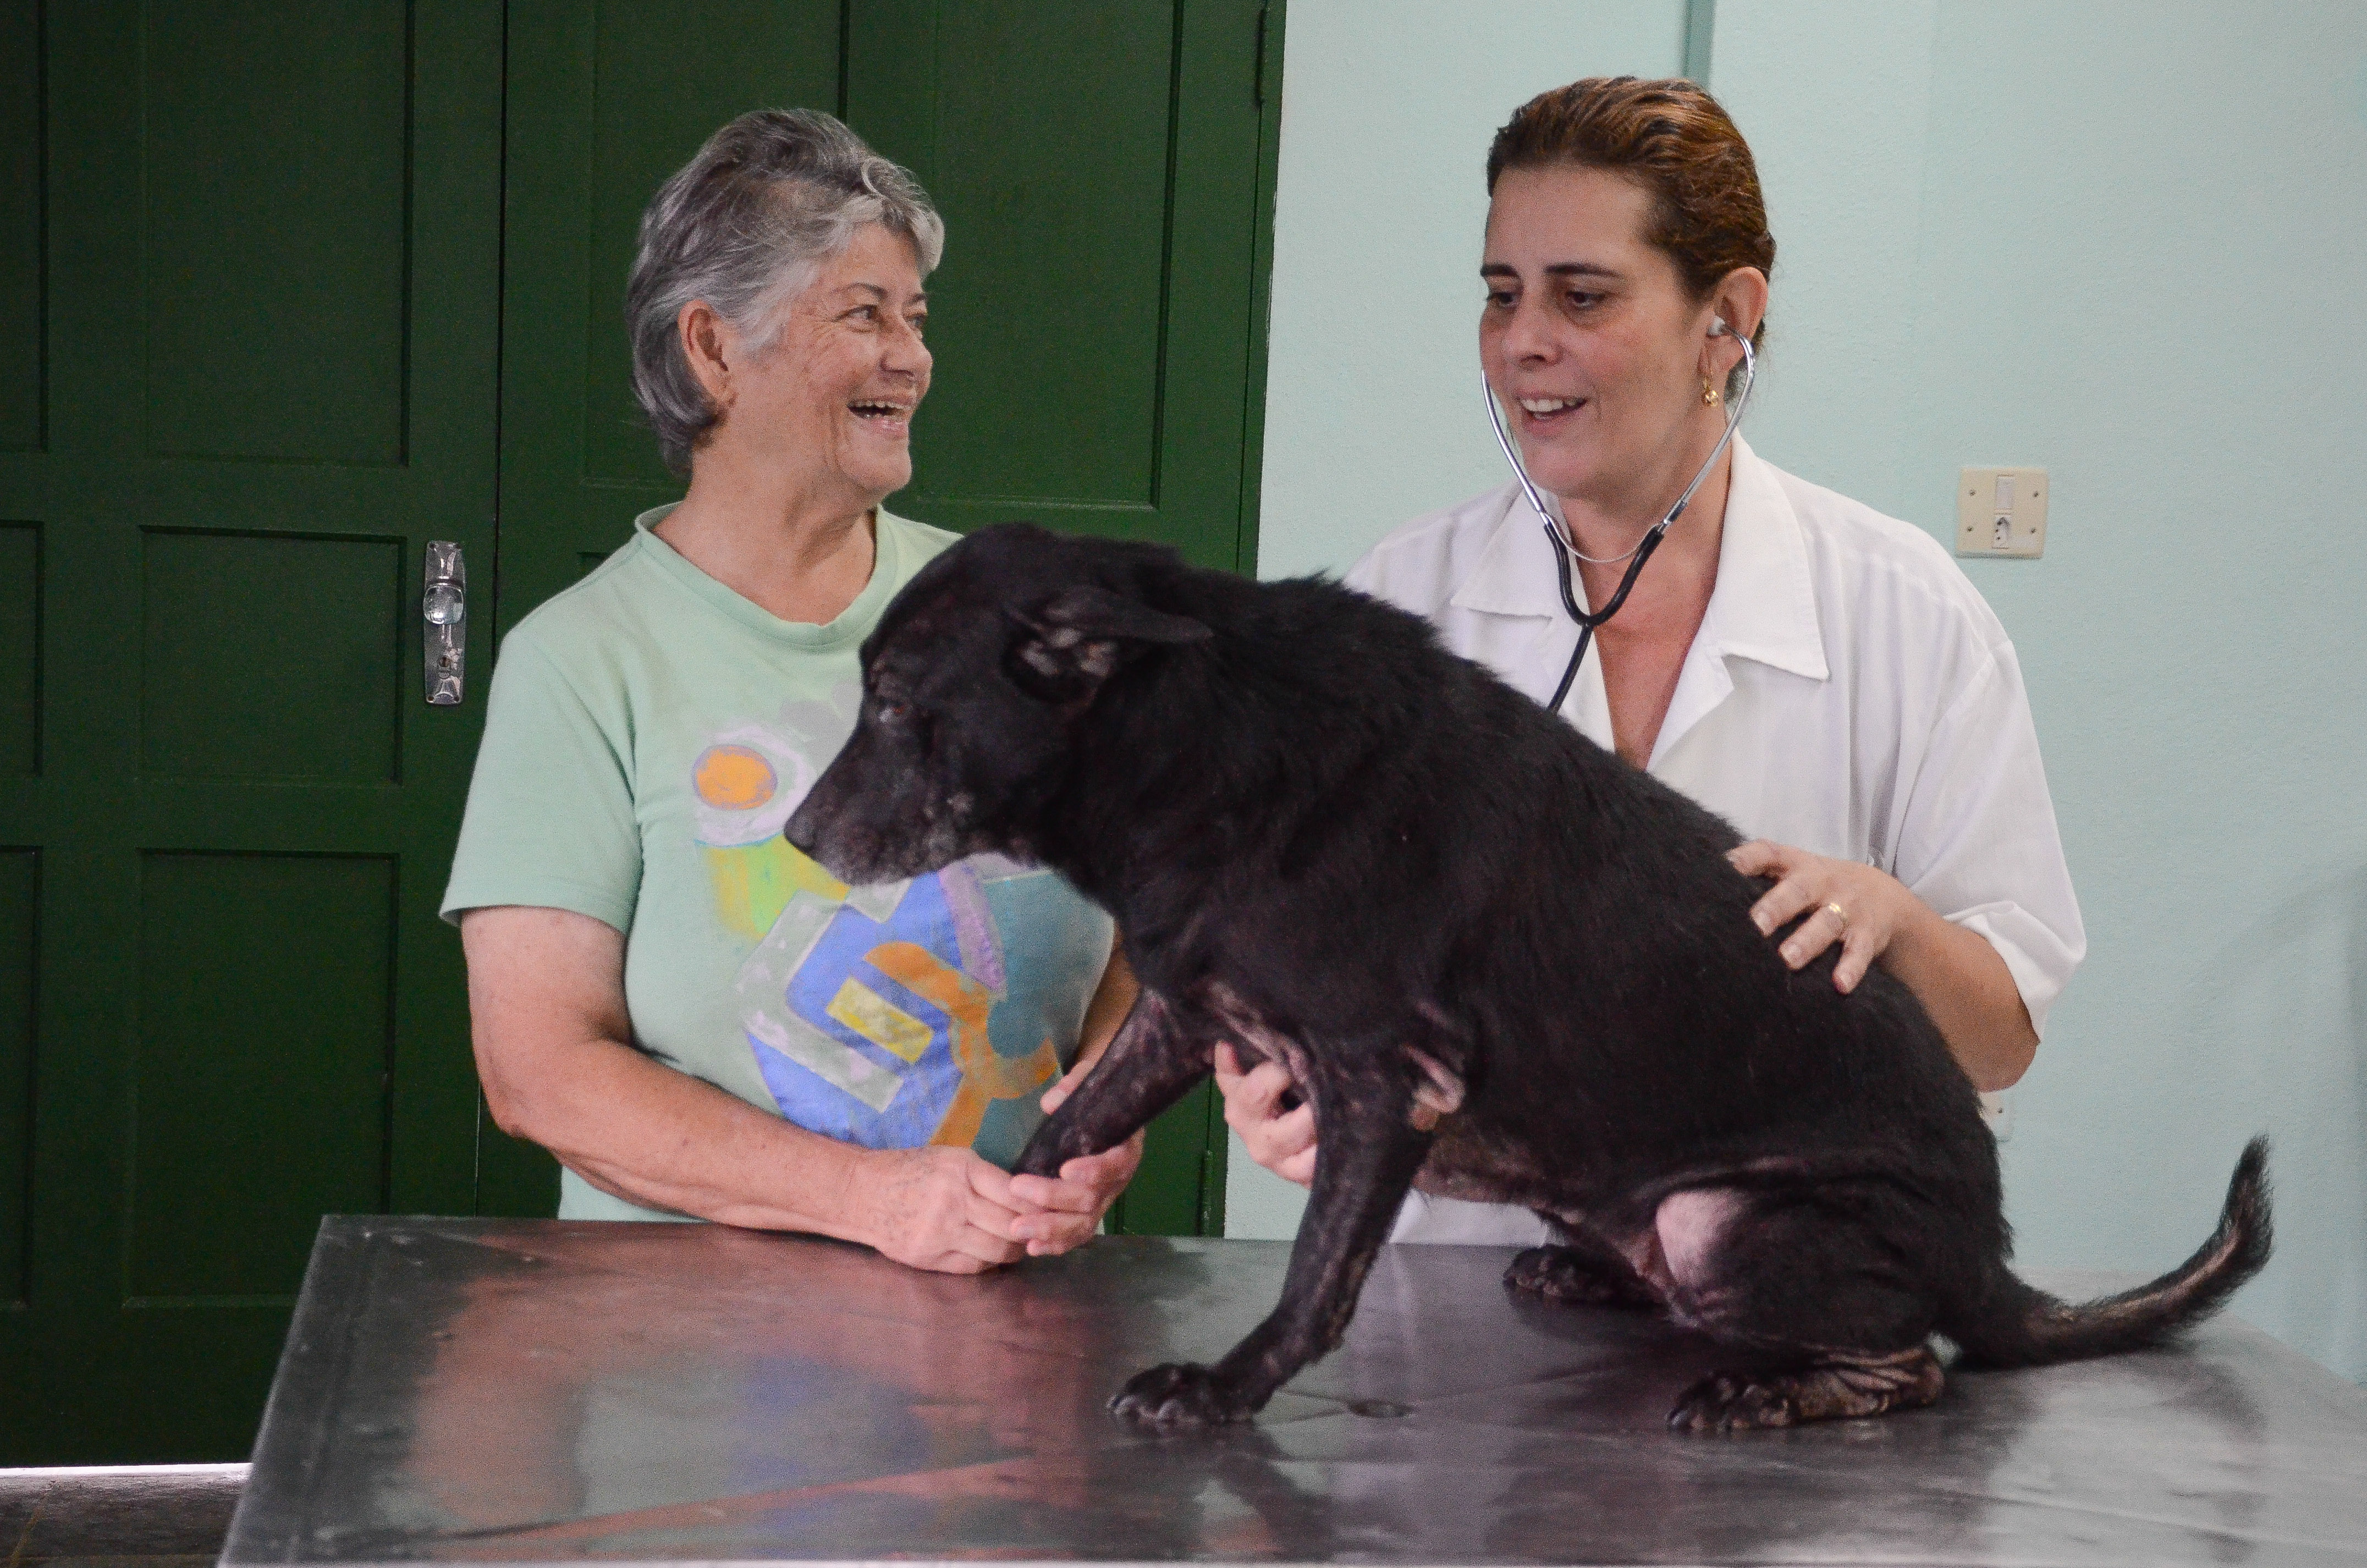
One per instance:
(1179,1395)
(1565,1274)
(1829,1390)
(1735,1401)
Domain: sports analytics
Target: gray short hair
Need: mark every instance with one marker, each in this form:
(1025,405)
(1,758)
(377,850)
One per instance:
(747,223)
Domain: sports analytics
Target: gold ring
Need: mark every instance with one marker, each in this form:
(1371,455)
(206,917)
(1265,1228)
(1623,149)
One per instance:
(1838,913)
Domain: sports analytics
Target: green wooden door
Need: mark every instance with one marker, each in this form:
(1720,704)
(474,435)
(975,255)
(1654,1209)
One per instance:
(249,284)
(1103,167)
(263,335)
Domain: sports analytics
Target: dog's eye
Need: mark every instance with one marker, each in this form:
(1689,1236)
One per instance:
(890,712)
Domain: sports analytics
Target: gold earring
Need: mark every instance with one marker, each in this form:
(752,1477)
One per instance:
(1710,394)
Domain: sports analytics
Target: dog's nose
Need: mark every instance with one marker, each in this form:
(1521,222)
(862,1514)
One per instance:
(800,831)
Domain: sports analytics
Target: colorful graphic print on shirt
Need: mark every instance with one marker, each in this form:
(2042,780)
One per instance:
(886,1016)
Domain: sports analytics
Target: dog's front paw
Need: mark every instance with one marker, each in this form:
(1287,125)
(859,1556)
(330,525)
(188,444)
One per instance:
(1737,1402)
(1179,1395)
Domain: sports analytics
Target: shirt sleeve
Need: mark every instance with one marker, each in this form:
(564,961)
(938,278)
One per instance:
(1976,836)
(551,820)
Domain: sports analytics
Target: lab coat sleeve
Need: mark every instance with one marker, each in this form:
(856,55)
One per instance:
(1975,836)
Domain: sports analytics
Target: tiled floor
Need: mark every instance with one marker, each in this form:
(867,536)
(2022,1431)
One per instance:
(137,1516)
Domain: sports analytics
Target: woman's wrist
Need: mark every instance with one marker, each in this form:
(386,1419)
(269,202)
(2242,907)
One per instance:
(1964,985)
(824,1187)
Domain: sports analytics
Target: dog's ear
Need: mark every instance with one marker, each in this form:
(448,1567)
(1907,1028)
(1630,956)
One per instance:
(1080,633)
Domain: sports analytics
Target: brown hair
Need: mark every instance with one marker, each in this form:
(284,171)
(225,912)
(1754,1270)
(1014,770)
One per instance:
(1672,139)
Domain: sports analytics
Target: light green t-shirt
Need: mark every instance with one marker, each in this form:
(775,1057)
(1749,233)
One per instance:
(648,732)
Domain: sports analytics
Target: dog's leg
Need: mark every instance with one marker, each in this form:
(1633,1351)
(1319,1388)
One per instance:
(1153,1058)
(1364,1163)
(1815,1281)
(1584,1271)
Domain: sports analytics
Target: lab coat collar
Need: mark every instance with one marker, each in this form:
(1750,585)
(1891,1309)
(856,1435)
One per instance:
(1764,605)
(1515,575)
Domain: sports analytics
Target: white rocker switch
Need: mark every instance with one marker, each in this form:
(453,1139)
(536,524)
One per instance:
(2001,512)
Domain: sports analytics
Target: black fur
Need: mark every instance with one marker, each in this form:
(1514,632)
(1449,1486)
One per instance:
(1503,964)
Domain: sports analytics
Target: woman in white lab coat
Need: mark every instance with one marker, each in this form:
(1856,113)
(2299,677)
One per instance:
(1823,677)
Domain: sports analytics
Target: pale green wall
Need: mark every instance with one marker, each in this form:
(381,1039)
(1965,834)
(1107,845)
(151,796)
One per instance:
(2126,243)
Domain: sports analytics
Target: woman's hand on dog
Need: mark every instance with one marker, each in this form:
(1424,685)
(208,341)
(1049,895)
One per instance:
(950,1211)
(1875,906)
(1954,973)
(941,1209)
(1057,1214)
(1283,1141)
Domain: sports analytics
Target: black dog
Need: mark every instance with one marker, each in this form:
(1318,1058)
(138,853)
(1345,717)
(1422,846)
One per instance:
(1501,962)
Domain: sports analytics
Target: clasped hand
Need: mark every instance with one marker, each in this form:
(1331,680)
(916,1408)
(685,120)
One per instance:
(950,1210)
(1874,907)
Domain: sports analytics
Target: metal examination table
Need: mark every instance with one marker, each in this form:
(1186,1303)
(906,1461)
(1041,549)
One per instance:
(510,1391)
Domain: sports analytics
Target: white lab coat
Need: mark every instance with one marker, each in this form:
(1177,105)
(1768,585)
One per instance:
(1848,692)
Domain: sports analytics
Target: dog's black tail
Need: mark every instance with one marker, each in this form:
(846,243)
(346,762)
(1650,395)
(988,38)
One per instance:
(2015,1325)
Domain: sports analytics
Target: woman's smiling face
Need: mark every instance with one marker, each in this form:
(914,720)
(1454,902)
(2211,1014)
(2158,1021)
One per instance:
(1589,337)
(834,393)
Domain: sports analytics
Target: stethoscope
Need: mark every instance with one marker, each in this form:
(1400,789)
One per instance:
(1563,549)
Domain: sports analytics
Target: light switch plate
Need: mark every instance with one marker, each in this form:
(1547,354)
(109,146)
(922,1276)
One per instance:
(2001,512)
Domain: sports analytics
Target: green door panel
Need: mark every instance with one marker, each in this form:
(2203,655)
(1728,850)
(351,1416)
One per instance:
(222,1109)
(20,894)
(209,709)
(1098,166)
(1045,316)
(22,260)
(273,194)
(1180,1190)
(1097,322)
(259,375)
(20,648)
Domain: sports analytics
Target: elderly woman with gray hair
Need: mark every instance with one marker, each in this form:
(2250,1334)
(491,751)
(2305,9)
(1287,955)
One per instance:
(696,1019)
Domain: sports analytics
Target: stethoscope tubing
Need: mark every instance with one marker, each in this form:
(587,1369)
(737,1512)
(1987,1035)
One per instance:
(1563,549)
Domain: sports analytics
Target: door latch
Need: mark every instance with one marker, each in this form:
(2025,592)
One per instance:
(444,606)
